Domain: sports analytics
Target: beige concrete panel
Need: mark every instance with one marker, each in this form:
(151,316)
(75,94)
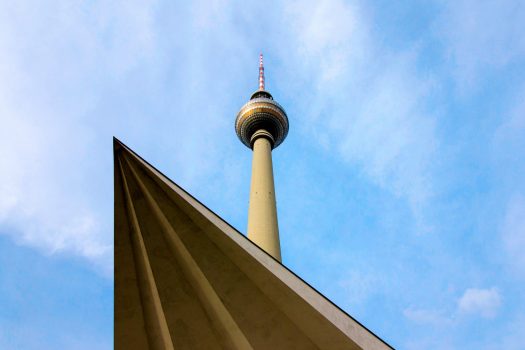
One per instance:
(227,329)
(129,329)
(262,214)
(189,324)
(157,329)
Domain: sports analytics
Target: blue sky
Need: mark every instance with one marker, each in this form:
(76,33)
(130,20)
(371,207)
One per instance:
(400,187)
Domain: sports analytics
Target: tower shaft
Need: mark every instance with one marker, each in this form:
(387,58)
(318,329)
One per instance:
(262,213)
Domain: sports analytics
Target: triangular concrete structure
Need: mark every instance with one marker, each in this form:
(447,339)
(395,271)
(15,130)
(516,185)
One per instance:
(186,279)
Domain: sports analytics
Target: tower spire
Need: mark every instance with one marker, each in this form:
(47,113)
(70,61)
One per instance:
(261,73)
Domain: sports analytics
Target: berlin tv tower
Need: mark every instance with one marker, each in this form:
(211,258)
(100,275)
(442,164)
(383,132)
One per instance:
(262,125)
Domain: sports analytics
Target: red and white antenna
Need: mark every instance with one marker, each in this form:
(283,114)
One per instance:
(261,73)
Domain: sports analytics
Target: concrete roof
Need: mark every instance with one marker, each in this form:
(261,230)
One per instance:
(186,279)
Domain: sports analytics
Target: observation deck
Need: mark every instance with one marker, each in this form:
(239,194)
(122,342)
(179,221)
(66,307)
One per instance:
(261,113)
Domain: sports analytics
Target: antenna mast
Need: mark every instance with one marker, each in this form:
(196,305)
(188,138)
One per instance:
(261,73)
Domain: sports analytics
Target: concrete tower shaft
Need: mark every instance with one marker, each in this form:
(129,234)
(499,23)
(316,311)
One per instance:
(262,125)
(262,213)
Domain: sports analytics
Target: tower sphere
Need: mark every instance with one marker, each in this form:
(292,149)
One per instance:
(261,113)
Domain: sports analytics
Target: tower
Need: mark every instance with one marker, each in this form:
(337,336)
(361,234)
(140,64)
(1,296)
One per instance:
(262,125)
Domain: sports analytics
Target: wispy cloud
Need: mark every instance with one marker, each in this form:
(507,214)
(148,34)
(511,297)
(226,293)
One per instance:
(484,302)
(508,147)
(481,37)
(370,103)
(424,316)
(513,234)
(74,75)
(358,286)
(474,301)
(54,56)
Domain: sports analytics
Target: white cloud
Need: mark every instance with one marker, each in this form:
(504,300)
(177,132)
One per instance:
(40,203)
(480,36)
(358,286)
(331,33)
(484,302)
(513,234)
(508,148)
(369,103)
(390,134)
(53,57)
(72,75)
(511,335)
(509,142)
(424,316)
